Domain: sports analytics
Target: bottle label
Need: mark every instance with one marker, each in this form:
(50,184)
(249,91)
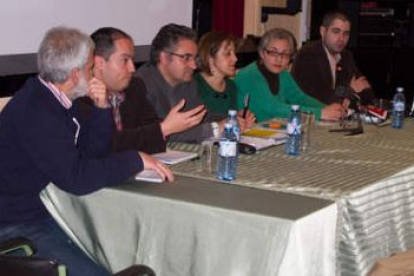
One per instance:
(293,128)
(228,148)
(236,131)
(399,106)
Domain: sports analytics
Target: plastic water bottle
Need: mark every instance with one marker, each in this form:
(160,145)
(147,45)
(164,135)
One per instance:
(398,110)
(234,123)
(227,154)
(294,132)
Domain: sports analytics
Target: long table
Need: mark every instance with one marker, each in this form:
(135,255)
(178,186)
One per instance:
(197,227)
(369,177)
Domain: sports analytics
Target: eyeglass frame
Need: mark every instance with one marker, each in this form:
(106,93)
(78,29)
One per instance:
(185,57)
(276,54)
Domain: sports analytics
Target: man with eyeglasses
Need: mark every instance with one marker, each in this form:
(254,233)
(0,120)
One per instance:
(322,66)
(168,78)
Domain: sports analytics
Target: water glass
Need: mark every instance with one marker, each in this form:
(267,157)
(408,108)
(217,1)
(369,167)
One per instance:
(308,122)
(208,156)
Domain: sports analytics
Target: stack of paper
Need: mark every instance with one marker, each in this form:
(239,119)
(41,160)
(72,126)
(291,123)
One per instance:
(170,157)
(149,176)
(257,143)
(263,138)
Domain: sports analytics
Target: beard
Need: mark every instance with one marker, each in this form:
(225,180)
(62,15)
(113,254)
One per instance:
(81,89)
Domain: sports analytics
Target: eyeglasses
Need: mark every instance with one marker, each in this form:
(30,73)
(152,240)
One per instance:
(185,57)
(276,54)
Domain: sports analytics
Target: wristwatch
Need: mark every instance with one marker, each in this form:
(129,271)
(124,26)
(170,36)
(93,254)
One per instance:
(215,129)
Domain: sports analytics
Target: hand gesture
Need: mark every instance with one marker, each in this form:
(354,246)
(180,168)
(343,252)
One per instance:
(97,92)
(245,123)
(333,112)
(359,84)
(150,163)
(177,121)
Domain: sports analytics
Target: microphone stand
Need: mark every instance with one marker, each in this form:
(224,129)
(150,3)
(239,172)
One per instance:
(358,129)
(345,92)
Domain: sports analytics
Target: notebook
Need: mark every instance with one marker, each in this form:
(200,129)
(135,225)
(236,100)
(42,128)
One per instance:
(171,157)
(149,176)
(260,143)
(263,138)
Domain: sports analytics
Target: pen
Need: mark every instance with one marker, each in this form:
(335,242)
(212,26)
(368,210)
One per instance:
(246,105)
(412,111)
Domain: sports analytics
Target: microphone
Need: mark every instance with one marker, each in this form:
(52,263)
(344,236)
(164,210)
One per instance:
(346,92)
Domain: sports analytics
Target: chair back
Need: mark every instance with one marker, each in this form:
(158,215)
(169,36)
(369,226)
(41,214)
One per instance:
(30,266)
(27,265)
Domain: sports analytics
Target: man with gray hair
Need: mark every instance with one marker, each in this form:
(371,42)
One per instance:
(43,139)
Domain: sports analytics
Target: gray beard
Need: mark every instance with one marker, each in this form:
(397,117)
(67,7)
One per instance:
(81,89)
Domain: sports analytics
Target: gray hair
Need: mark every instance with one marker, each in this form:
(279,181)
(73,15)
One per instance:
(62,50)
(277,33)
(167,39)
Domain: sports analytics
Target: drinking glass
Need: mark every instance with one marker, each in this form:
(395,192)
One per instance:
(208,157)
(308,122)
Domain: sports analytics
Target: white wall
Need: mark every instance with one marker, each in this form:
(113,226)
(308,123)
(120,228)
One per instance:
(24,22)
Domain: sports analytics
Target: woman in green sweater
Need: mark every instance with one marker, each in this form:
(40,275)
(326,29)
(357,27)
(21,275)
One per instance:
(271,87)
(217,65)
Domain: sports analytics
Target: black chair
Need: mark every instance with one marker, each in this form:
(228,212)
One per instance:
(30,265)
(136,270)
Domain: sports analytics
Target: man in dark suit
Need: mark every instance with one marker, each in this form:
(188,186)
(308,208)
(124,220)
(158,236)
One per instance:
(138,126)
(322,66)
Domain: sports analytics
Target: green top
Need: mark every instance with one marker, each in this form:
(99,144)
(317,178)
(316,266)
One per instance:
(217,102)
(264,104)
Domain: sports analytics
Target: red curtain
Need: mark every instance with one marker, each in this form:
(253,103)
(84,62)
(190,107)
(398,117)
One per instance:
(228,16)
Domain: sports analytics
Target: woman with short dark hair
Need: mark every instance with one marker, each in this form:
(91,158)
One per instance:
(217,65)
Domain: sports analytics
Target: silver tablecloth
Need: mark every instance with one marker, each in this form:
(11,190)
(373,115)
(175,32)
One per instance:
(197,227)
(370,176)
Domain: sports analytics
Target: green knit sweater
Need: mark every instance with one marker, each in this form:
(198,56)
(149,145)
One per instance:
(264,104)
(216,102)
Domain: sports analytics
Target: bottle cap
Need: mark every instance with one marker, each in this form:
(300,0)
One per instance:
(400,89)
(232,112)
(295,107)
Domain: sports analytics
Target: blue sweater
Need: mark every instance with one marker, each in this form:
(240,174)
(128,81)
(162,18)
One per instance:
(37,146)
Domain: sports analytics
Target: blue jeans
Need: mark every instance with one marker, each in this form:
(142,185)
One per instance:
(51,242)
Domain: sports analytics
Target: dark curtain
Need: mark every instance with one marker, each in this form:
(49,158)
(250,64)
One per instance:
(228,16)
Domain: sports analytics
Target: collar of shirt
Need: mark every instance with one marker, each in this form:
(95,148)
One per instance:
(116,99)
(59,95)
(333,61)
(271,78)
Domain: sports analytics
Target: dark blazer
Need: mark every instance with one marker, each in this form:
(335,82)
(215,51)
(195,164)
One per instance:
(312,71)
(141,125)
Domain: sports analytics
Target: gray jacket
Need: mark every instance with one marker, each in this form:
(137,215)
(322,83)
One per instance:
(163,97)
